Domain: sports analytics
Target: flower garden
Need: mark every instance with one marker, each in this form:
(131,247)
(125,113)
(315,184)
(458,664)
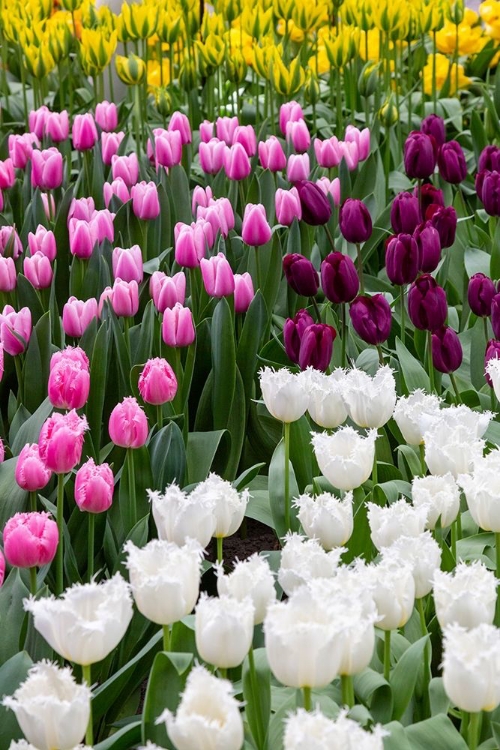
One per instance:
(250,375)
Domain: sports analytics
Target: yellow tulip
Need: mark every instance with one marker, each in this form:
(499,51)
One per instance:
(71,5)
(39,61)
(236,66)
(287,80)
(307,16)
(490,14)
(262,60)
(155,73)
(131,70)
(388,113)
(138,21)
(445,72)
(257,22)
(169,27)
(283,9)
(342,48)
(470,39)
(58,40)
(96,50)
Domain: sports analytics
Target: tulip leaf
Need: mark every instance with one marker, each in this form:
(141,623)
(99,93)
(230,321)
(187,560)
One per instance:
(404,676)
(27,297)
(61,234)
(300,452)
(178,188)
(37,364)
(12,594)
(236,426)
(142,351)
(223,364)
(166,682)
(98,379)
(271,271)
(123,739)
(12,673)
(257,694)
(249,343)
(259,508)
(438,699)
(413,373)
(143,480)
(168,457)
(14,499)
(376,692)
(437,733)
(277,491)
(244,479)
(201,451)
(396,739)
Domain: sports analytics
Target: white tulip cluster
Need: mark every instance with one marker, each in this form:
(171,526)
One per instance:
(439,495)
(305,729)
(482,490)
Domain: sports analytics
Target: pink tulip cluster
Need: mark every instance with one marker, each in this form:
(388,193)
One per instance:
(354,148)
(88,227)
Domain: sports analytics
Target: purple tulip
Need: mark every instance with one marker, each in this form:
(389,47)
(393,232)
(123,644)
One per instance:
(429,247)
(316,346)
(480,293)
(419,155)
(451,162)
(405,213)
(489,159)
(355,221)
(339,278)
(488,190)
(401,259)
(434,125)
(293,331)
(301,274)
(428,196)
(444,219)
(427,306)
(316,208)
(495,315)
(371,318)
(446,350)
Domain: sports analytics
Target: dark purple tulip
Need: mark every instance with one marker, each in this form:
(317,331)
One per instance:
(405,213)
(480,292)
(339,278)
(429,195)
(495,315)
(427,305)
(371,318)
(401,259)
(492,352)
(293,331)
(451,162)
(301,274)
(429,247)
(488,190)
(316,208)
(355,221)
(444,219)
(316,346)
(434,125)
(419,155)
(489,159)
(446,349)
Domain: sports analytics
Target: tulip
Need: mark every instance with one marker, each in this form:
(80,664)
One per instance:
(422,553)
(288,206)
(7,176)
(69,385)
(300,274)
(228,506)
(125,298)
(316,346)
(212,156)
(427,305)
(8,275)
(110,143)
(167,290)
(157,382)
(201,197)
(330,187)
(208,715)
(393,590)
(410,410)
(434,125)
(402,259)
(188,251)
(225,129)
(405,213)
(445,221)
(180,123)
(223,629)
(298,167)
(326,518)
(179,516)
(77,316)
(128,424)
(466,596)
(419,155)
(101,225)
(43,241)
(96,616)
(488,190)
(81,239)
(339,278)
(328,152)
(57,126)
(255,229)
(355,221)
(283,393)
(440,497)
(145,203)
(361,138)
(167,147)
(81,208)
(30,540)
(94,487)
(49,206)
(61,441)
(10,244)
(251,578)
(126,167)
(316,208)
(37,119)
(489,159)
(84,132)
(31,474)
(165,579)
(236,162)
(271,154)
(451,451)
(476,422)
(480,491)
(74,354)
(304,560)
(350,154)
(429,247)
(396,520)
(50,707)
(289,112)
(243,292)
(370,401)
(480,293)
(127,264)
(15,329)
(298,134)
(21,149)
(326,403)
(218,278)
(178,327)
(106,116)
(429,195)
(446,350)
(38,270)
(293,330)
(451,162)
(345,458)
(495,315)
(245,134)
(46,169)
(326,733)
(371,318)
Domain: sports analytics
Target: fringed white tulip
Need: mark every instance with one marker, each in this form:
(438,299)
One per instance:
(423,553)
(302,560)
(284,393)
(311,729)
(451,450)
(440,496)
(179,516)
(326,518)
(346,457)
(467,596)
(224,629)
(390,522)
(410,411)
(250,578)
(326,403)
(370,401)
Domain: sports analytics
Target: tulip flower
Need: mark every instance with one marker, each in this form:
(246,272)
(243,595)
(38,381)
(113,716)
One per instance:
(326,403)
(371,318)
(228,505)
(81,238)
(21,148)
(402,259)
(38,270)
(451,162)
(179,516)
(250,578)
(445,221)
(7,176)
(326,518)
(289,112)
(178,327)
(116,187)
(106,116)
(145,203)
(157,382)
(284,394)
(396,520)
(300,274)
(487,188)
(393,590)
(316,346)
(255,229)
(166,291)
(127,264)
(81,208)
(427,305)
(94,486)
(128,424)
(345,458)
(316,208)
(361,138)
(429,247)
(298,168)
(440,497)
(288,206)
(342,732)
(15,329)
(271,154)
(419,155)
(434,125)
(243,292)
(218,278)
(77,316)
(110,143)
(223,629)
(454,451)
(84,132)
(69,385)
(43,241)
(37,119)
(328,152)
(293,330)
(480,293)
(212,155)
(57,126)
(225,129)
(303,560)
(31,474)
(489,159)
(466,595)
(446,350)
(190,246)
(339,278)
(30,540)
(297,133)
(480,491)
(167,147)
(8,274)
(201,197)
(236,162)
(405,213)
(330,187)
(125,298)
(10,244)
(180,122)
(46,169)
(245,134)
(61,441)
(126,167)
(410,411)
(422,553)
(370,401)
(355,221)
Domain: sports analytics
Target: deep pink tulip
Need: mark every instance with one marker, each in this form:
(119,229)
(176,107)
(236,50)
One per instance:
(37,120)
(101,225)
(216,218)
(81,238)
(236,162)
(126,167)
(127,263)
(328,153)
(125,299)
(57,126)
(110,143)
(218,277)
(69,385)
(8,275)
(180,123)
(225,129)
(211,155)
(10,244)
(288,206)
(71,354)
(243,292)
(81,208)
(166,291)
(201,197)
(361,138)
(298,167)
(106,116)
(271,154)
(46,169)
(157,382)
(128,424)
(206,131)
(21,148)
(226,213)
(355,221)
(15,329)
(118,188)
(289,112)
(178,327)
(245,134)
(297,133)
(38,270)
(145,203)
(167,147)
(31,473)
(255,229)
(61,441)
(30,540)
(7,176)
(94,487)
(84,132)
(43,241)
(77,316)
(330,187)
(189,246)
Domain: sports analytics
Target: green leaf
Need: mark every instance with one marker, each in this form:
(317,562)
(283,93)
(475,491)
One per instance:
(166,682)
(144,346)
(248,346)
(123,739)
(14,499)
(236,424)
(98,380)
(437,733)
(277,491)
(376,692)
(259,508)
(438,698)
(168,457)
(300,452)
(413,372)
(223,364)
(29,432)
(257,694)
(27,297)
(396,740)
(12,594)
(37,364)
(202,448)
(143,481)
(247,476)
(179,190)
(12,673)
(404,676)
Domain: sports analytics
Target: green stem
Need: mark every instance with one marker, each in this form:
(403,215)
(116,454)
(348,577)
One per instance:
(286,430)
(254,686)
(60,546)
(427,657)
(360,268)
(455,387)
(473,729)
(257,264)
(33,497)
(87,676)
(380,355)
(33,584)
(126,330)
(307,698)
(402,312)
(90,547)
(387,654)
(316,309)
(19,375)
(330,238)
(430,364)
(220,541)
(131,488)
(166,637)
(347,690)
(223,672)
(423,465)
(497,548)
(454,540)
(159,417)
(344,335)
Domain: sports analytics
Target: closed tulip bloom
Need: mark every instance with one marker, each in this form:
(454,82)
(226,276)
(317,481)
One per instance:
(46,169)
(495,315)
(444,219)
(301,274)
(370,401)
(284,394)
(251,578)
(243,292)
(212,155)
(434,125)
(145,203)
(481,491)
(77,316)
(57,126)
(427,306)
(316,208)
(167,147)
(38,270)
(489,159)
(84,132)
(405,213)
(167,290)
(289,112)
(94,487)
(298,167)
(81,238)
(371,318)
(451,162)
(178,327)
(228,504)
(225,128)
(447,353)
(288,206)
(61,441)
(157,382)
(101,225)
(440,497)
(128,424)
(316,346)
(355,221)
(402,259)
(125,298)
(293,330)
(345,458)
(116,187)
(245,134)
(472,684)
(223,629)
(303,560)
(87,622)
(339,278)
(30,540)
(429,196)
(387,524)
(165,579)
(255,229)
(69,385)
(127,263)
(297,133)
(180,122)
(21,148)
(419,155)
(422,553)
(476,422)
(43,241)
(51,708)
(330,188)
(305,727)
(179,516)
(15,329)
(487,185)
(326,403)
(110,143)
(73,354)
(328,152)
(8,274)
(208,715)
(201,197)
(10,244)
(480,293)
(217,274)
(361,138)
(81,208)
(31,473)
(7,176)
(451,450)
(393,589)
(126,167)
(271,154)
(326,518)
(187,251)
(106,116)
(466,596)
(429,247)
(350,154)
(408,414)
(37,119)
(236,162)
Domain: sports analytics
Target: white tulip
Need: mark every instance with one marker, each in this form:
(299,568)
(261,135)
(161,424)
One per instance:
(301,641)
(250,578)
(475,422)
(208,716)
(493,370)
(346,457)
(482,491)
(284,393)
(439,495)
(399,519)
(51,708)
(179,516)
(314,731)
(223,629)
(409,413)
(423,553)
(370,401)
(451,450)
(87,622)
(471,667)
(467,596)
(393,590)
(326,402)
(165,579)
(303,560)
(228,504)
(326,518)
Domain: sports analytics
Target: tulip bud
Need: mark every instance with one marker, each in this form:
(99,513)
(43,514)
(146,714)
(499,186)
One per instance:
(271,155)
(77,316)
(31,473)
(393,590)
(217,275)
(429,195)
(94,486)
(316,346)
(178,327)
(488,190)
(201,197)
(145,203)
(243,292)
(38,270)
(255,229)
(61,441)
(223,629)
(434,125)
(7,176)
(167,147)
(8,274)
(326,403)
(166,291)
(451,162)
(447,351)
(245,134)
(126,167)
(445,221)
(466,596)
(489,159)
(288,206)
(57,126)
(284,394)
(427,306)
(371,318)
(212,155)
(355,221)
(401,259)
(81,208)
(84,132)
(293,330)
(405,213)
(106,116)
(30,540)
(326,518)
(15,329)
(440,496)
(43,241)
(157,382)
(128,424)
(345,457)
(69,384)
(370,401)
(480,293)
(81,238)
(21,149)
(10,244)
(419,155)
(179,516)
(289,112)
(125,298)
(301,274)
(328,152)
(131,70)
(388,112)
(236,162)
(339,278)
(298,134)
(298,167)
(110,143)
(316,208)
(46,169)
(127,263)
(429,247)
(330,187)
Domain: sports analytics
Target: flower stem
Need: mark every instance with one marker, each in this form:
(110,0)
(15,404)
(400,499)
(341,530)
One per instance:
(60,546)
(455,387)
(90,547)
(427,656)
(473,729)
(497,547)
(286,429)
(131,487)
(330,238)
(344,335)
(89,735)
(19,375)
(430,364)
(307,698)
(387,654)
(33,584)
(159,417)
(257,265)
(421,450)
(402,308)
(33,501)
(360,268)
(454,540)
(347,690)
(259,730)
(166,638)
(220,541)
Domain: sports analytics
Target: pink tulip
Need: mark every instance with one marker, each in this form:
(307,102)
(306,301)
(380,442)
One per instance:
(37,119)
(189,247)
(110,143)
(30,540)
(361,138)
(57,126)
(8,275)
(2,568)
(217,274)
(38,270)
(106,116)
(167,147)
(46,169)
(15,329)
(77,316)
(180,122)
(10,244)
(166,291)
(212,155)
(271,154)
(101,225)
(298,135)
(128,424)
(145,203)
(328,152)
(106,294)
(81,238)
(118,188)
(206,131)
(81,208)
(243,292)
(126,167)
(178,328)
(245,134)
(288,206)
(69,385)
(298,167)
(330,188)
(255,229)
(225,209)
(61,441)
(225,128)
(84,132)
(21,148)
(70,354)
(31,474)
(157,382)
(236,162)
(127,263)
(290,112)
(94,487)
(125,298)
(7,176)
(350,153)
(201,197)
(43,241)
(1,361)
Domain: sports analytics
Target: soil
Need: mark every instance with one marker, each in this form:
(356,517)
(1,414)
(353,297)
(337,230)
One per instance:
(253,536)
